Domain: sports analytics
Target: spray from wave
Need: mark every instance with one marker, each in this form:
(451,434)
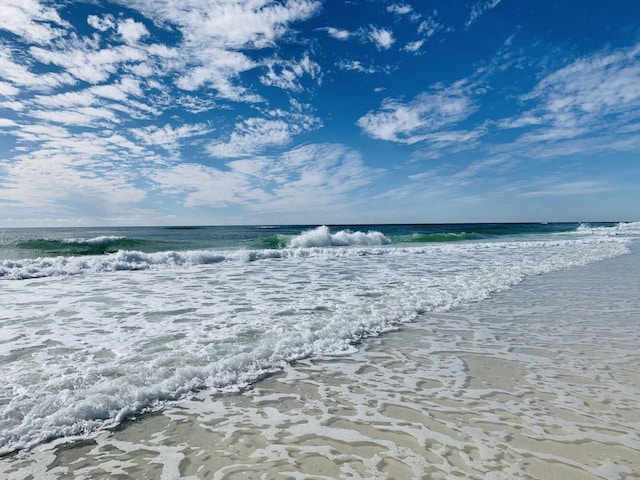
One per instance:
(322,237)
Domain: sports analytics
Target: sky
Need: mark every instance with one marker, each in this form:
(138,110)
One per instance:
(192,112)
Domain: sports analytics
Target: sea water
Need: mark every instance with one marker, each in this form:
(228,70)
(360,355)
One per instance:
(97,325)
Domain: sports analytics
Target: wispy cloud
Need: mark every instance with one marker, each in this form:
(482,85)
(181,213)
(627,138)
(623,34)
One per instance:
(254,135)
(228,24)
(569,189)
(18,76)
(51,181)
(430,26)
(303,179)
(202,185)
(169,137)
(414,121)
(356,66)
(413,46)
(479,8)
(287,74)
(576,108)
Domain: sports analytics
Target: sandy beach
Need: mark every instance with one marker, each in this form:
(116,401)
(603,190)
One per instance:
(541,381)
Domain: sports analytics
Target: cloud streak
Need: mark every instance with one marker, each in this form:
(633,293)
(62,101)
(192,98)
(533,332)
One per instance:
(575,108)
(302,179)
(417,120)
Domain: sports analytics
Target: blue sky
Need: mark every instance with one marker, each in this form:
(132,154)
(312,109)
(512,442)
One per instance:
(158,112)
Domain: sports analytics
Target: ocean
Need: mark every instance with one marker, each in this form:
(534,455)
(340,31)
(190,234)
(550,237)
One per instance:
(100,327)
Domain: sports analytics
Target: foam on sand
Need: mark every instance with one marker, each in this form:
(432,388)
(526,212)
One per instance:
(540,381)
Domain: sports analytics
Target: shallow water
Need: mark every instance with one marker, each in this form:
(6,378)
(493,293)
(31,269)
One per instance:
(539,381)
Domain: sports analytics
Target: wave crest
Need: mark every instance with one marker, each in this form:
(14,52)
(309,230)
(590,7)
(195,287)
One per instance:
(322,237)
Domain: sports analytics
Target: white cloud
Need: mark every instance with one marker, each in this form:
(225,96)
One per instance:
(356,66)
(169,137)
(132,31)
(254,135)
(479,8)
(20,76)
(104,23)
(113,102)
(217,68)
(287,74)
(81,116)
(208,56)
(228,23)
(55,183)
(603,84)
(313,177)
(89,63)
(414,46)
(337,33)
(579,103)
(215,32)
(382,37)
(5,122)
(31,20)
(399,9)
(308,177)
(120,91)
(16,106)
(429,27)
(412,122)
(8,90)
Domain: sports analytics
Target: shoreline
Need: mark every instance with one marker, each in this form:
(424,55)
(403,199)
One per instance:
(539,381)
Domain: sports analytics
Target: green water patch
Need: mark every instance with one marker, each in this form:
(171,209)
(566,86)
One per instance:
(76,247)
(436,237)
(275,242)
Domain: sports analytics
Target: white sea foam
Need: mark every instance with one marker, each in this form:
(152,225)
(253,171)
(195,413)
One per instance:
(124,260)
(322,237)
(138,329)
(629,229)
(530,381)
(94,241)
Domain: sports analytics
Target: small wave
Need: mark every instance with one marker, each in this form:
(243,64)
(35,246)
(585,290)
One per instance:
(322,237)
(81,246)
(439,237)
(631,229)
(102,240)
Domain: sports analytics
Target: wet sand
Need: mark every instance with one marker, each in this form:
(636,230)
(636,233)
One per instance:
(538,382)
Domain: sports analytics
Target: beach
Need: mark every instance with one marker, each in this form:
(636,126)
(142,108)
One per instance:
(538,381)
